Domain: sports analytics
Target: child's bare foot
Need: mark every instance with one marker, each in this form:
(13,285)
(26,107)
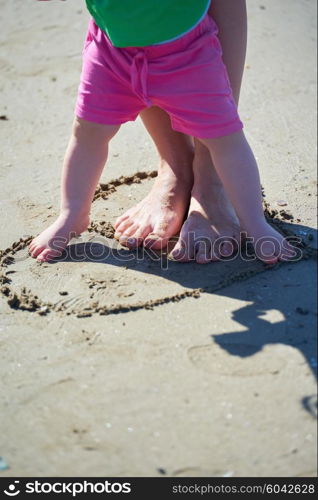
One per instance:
(160,215)
(269,245)
(53,240)
(212,231)
(212,228)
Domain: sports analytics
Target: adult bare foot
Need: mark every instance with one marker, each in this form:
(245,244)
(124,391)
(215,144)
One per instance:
(212,229)
(160,215)
(53,240)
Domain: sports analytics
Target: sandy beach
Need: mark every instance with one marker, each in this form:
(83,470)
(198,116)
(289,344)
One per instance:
(121,363)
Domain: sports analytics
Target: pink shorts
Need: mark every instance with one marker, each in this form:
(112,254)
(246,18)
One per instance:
(185,77)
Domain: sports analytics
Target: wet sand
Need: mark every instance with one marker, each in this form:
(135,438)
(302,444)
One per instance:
(122,364)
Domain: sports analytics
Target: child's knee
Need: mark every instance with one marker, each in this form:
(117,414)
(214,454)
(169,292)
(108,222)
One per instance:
(83,130)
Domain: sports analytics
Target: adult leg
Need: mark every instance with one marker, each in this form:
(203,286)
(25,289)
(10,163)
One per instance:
(160,215)
(84,161)
(211,213)
(211,216)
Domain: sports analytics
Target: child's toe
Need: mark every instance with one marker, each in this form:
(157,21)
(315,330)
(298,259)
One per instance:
(203,252)
(36,251)
(270,260)
(48,254)
(267,250)
(288,253)
(176,252)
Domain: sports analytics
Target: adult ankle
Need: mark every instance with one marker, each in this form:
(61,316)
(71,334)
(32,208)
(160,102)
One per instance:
(180,171)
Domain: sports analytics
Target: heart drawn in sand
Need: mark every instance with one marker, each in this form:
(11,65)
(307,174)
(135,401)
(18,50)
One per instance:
(98,276)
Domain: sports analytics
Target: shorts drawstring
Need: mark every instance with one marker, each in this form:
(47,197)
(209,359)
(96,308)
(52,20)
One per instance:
(139,76)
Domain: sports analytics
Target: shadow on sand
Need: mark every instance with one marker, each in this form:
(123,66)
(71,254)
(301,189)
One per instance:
(217,278)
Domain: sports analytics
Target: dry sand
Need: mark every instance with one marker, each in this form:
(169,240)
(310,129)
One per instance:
(134,367)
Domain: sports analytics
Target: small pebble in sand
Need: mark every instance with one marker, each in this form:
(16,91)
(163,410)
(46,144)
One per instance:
(282,203)
(43,310)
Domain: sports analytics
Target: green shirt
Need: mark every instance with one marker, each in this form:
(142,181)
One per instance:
(137,23)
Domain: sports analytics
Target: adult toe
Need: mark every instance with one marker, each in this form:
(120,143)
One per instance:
(137,238)
(129,232)
(159,237)
(203,252)
(123,228)
(156,241)
(120,220)
(229,245)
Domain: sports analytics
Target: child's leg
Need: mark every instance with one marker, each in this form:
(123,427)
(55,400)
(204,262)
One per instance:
(84,161)
(236,166)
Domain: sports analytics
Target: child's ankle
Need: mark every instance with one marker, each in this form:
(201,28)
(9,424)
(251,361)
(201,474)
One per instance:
(73,214)
(251,226)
